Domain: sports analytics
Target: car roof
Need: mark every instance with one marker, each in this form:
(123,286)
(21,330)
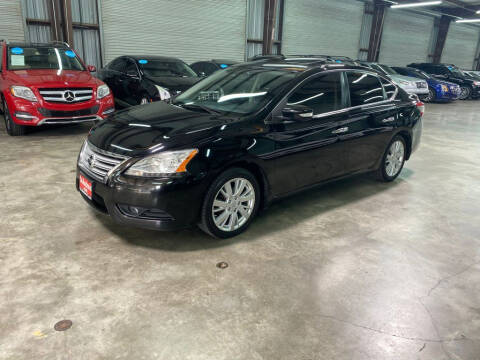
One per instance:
(33,44)
(152,57)
(217,61)
(302,65)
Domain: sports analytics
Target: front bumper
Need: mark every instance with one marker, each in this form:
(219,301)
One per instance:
(157,204)
(24,112)
(414,90)
(417,134)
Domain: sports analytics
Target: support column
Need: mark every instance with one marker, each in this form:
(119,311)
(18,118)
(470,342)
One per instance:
(269,26)
(443,28)
(376,30)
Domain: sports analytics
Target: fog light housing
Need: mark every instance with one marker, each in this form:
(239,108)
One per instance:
(144,213)
(25,116)
(108,111)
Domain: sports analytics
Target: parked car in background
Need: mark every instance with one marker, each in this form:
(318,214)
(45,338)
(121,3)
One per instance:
(266,57)
(411,85)
(242,138)
(439,90)
(469,88)
(207,68)
(136,80)
(48,84)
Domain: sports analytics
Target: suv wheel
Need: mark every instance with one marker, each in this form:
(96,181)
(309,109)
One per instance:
(231,203)
(12,128)
(393,160)
(465,92)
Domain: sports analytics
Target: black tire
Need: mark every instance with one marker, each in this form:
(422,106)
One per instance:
(382,173)
(207,222)
(431,96)
(12,128)
(466,92)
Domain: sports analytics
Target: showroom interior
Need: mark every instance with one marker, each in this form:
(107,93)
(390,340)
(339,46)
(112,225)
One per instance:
(354,268)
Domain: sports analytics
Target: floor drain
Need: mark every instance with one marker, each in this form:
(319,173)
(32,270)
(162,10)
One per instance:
(222,265)
(63,325)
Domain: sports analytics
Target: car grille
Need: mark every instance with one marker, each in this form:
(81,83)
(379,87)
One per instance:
(97,163)
(455,89)
(57,113)
(66,95)
(421,85)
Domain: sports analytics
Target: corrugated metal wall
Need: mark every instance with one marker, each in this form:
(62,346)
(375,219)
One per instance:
(189,29)
(461,45)
(406,37)
(322,27)
(11,20)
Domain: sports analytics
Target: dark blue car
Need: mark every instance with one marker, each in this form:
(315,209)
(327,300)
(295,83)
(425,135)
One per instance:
(439,90)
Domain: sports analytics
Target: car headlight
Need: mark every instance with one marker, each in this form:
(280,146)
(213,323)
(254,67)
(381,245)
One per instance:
(164,163)
(102,91)
(163,93)
(402,82)
(23,92)
(476,83)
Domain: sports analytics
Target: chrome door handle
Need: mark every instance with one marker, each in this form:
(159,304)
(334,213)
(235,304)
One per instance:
(340,130)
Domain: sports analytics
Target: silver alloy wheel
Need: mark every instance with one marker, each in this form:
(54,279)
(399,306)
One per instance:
(464,93)
(394,160)
(430,96)
(233,205)
(144,101)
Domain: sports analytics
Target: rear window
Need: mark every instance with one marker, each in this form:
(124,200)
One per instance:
(30,58)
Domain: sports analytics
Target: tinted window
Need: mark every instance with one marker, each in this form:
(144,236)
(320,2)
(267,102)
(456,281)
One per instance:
(118,65)
(153,67)
(364,89)
(198,67)
(210,68)
(388,87)
(323,94)
(131,68)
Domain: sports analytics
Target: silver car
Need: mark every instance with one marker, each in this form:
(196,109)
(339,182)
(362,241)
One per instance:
(411,85)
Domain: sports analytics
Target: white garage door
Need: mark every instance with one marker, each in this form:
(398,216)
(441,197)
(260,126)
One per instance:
(189,29)
(406,37)
(322,27)
(461,45)
(11,23)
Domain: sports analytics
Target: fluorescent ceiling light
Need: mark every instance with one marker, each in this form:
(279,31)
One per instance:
(467,20)
(425,3)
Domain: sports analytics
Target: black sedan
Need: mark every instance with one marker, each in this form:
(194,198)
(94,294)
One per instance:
(242,138)
(138,80)
(207,68)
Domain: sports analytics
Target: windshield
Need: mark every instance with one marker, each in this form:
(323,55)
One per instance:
(240,91)
(43,57)
(456,72)
(421,74)
(387,69)
(158,68)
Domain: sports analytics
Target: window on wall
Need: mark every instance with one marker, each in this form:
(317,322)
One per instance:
(264,19)
(72,21)
(38,20)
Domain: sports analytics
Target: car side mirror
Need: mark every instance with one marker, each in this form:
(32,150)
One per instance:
(91,68)
(297,113)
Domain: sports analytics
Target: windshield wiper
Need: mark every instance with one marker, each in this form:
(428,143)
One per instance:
(199,107)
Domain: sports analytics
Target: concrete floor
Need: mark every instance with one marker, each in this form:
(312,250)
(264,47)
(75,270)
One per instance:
(354,270)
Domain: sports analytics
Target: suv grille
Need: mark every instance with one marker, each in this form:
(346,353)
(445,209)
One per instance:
(67,95)
(58,113)
(97,163)
(421,85)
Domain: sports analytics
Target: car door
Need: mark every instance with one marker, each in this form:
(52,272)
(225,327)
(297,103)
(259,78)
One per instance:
(308,152)
(372,115)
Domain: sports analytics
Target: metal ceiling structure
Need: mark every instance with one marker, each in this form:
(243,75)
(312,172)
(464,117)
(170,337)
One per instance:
(455,8)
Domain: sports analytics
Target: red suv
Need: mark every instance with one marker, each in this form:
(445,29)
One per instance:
(48,84)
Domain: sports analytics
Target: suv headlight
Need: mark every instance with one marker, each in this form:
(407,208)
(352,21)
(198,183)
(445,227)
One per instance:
(164,163)
(403,82)
(23,92)
(163,93)
(102,91)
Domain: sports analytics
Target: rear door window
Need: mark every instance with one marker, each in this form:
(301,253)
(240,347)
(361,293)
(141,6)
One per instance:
(364,89)
(322,94)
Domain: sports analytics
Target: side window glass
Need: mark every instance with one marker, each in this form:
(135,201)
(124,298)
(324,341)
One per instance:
(197,67)
(118,65)
(364,89)
(131,68)
(388,87)
(210,68)
(322,94)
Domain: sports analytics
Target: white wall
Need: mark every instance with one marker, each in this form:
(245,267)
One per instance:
(461,45)
(11,20)
(188,29)
(317,27)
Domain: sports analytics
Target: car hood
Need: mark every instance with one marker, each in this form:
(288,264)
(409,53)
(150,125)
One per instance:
(53,78)
(174,83)
(443,82)
(156,126)
(405,78)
